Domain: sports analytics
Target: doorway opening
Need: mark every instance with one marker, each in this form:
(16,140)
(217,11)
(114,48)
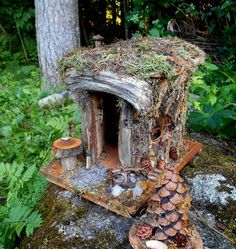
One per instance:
(107,118)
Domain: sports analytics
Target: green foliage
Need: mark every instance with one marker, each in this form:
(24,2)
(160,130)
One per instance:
(26,135)
(17,32)
(214,103)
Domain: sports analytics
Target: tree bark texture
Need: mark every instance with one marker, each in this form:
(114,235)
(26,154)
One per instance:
(57,29)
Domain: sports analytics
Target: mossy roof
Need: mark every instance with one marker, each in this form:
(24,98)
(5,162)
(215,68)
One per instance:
(141,58)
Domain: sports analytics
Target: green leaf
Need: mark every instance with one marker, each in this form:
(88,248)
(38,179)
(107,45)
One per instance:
(6,131)
(154,32)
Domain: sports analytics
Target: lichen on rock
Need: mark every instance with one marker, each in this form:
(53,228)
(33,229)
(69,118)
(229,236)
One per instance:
(212,179)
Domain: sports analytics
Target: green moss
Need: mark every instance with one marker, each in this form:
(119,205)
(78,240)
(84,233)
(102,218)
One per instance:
(139,57)
(148,64)
(212,160)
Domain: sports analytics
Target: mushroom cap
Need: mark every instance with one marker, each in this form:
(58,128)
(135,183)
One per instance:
(98,37)
(67,143)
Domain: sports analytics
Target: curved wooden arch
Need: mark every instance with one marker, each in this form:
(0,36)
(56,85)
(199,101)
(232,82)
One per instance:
(137,92)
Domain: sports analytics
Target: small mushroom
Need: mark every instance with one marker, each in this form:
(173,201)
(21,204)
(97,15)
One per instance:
(98,40)
(67,149)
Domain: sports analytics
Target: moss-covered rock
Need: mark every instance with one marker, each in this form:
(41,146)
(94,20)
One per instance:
(212,179)
(70,222)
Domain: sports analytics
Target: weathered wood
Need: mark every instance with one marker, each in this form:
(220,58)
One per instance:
(99,125)
(137,92)
(69,163)
(125,138)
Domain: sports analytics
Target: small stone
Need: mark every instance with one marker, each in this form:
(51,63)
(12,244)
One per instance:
(154,244)
(137,191)
(117,190)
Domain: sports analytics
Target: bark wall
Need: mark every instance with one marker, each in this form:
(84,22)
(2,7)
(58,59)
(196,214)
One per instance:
(57,29)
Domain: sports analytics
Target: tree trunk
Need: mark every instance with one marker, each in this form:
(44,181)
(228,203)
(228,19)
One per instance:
(57,29)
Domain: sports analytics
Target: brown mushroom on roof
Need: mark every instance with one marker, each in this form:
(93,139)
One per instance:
(98,40)
(67,149)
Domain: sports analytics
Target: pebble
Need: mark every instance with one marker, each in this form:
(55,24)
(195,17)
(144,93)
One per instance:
(155,244)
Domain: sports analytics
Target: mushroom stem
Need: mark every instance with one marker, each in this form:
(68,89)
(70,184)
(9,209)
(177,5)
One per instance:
(69,163)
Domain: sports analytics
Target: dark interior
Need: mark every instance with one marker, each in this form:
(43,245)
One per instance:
(111,116)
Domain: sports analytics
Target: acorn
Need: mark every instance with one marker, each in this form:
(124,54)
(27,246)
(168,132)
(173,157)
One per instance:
(144,231)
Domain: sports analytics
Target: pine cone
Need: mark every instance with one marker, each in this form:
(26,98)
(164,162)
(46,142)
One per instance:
(180,240)
(174,153)
(144,231)
(145,164)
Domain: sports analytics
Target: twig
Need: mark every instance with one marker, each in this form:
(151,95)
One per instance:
(22,44)
(200,218)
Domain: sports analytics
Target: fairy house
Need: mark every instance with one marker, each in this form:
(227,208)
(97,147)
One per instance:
(133,101)
(133,97)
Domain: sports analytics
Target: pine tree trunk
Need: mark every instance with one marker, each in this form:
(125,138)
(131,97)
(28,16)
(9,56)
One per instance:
(57,29)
